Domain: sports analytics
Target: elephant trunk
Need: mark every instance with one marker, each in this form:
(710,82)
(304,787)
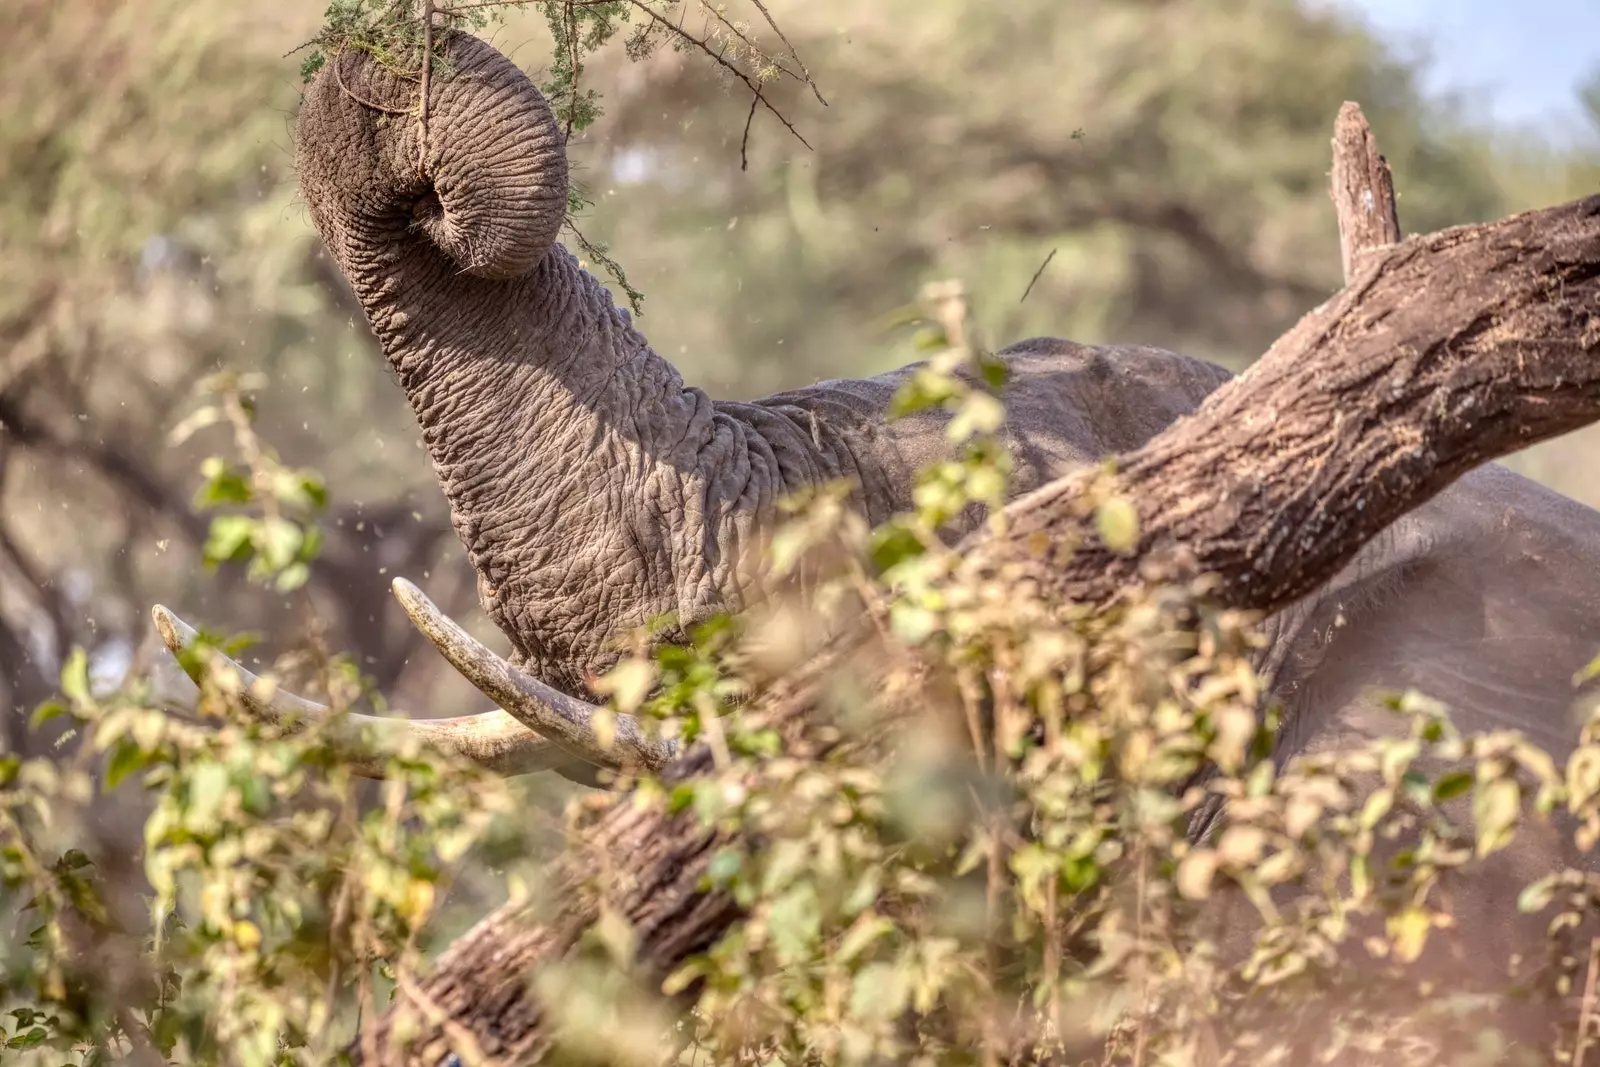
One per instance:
(593,490)
(486,196)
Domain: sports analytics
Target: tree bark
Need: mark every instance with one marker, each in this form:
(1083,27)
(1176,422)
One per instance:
(1444,352)
(1363,191)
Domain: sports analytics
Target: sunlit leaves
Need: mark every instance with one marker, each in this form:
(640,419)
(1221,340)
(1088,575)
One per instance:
(1117,522)
(274,890)
(272,527)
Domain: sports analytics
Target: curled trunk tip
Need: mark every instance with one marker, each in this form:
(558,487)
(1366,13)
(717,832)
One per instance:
(489,191)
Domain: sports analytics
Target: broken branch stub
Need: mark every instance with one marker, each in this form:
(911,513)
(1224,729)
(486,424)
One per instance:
(1363,191)
(1452,350)
(494,740)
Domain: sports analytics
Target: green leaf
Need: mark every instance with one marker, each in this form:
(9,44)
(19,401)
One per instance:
(1409,933)
(208,785)
(50,709)
(1117,523)
(880,991)
(628,683)
(979,413)
(1495,809)
(1195,873)
(75,676)
(1536,896)
(32,1039)
(300,489)
(292,577)
(1583,776)
(223,487)
(911,623)
(228,540)
(795,922)
(126,758)
(1452,785)
(725,866)
(861,936)
(278,540)
(995,372)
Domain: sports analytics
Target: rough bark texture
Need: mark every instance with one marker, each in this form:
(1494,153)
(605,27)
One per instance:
(1445,352)
(1363,190)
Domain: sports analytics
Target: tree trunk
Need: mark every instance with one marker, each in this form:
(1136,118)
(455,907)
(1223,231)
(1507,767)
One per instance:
(1443,353)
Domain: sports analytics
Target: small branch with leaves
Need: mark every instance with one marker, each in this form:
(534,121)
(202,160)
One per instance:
(408,38)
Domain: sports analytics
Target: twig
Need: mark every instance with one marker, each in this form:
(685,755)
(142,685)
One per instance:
(1586,1013)
(577,67)
(1363,190)
(749,82)
(1038,274)
(427,81)
(744,142)
(793,52)
(755,48)
(338,76)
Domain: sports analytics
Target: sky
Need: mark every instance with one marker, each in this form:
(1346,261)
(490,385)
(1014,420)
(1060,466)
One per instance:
(1523,59)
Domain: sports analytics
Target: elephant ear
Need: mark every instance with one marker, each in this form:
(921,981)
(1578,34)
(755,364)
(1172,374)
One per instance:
(486,184)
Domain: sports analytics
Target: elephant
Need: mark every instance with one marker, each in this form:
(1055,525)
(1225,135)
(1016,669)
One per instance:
(594,490)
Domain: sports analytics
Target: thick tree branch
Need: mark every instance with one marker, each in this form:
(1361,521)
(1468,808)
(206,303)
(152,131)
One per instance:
(1445,352)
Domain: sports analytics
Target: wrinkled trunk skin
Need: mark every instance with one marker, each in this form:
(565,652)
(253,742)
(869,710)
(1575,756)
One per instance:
(595,491)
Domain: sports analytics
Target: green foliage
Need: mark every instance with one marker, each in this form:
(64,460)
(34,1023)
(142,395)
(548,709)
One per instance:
(281,901)
(280,544)
(1002,859)
(1001,855)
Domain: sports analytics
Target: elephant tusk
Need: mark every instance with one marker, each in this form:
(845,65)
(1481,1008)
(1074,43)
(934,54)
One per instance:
(566,720)
(493,740)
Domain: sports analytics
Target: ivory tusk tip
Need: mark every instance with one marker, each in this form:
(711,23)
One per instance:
(408,594)
(174,632)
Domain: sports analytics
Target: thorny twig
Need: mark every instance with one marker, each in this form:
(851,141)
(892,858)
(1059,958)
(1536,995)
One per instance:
(750,83)
(1038,274)
(338,76)
(1586,1013)
(577,66)
(793,52)
(744,38)
(427,80)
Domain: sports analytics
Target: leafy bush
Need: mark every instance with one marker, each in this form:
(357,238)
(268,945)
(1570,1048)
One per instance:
(1011,857)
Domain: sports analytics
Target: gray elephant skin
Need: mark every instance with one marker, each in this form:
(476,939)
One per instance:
(594,490)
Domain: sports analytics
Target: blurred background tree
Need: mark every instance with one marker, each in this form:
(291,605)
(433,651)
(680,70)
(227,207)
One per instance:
(1166,160)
